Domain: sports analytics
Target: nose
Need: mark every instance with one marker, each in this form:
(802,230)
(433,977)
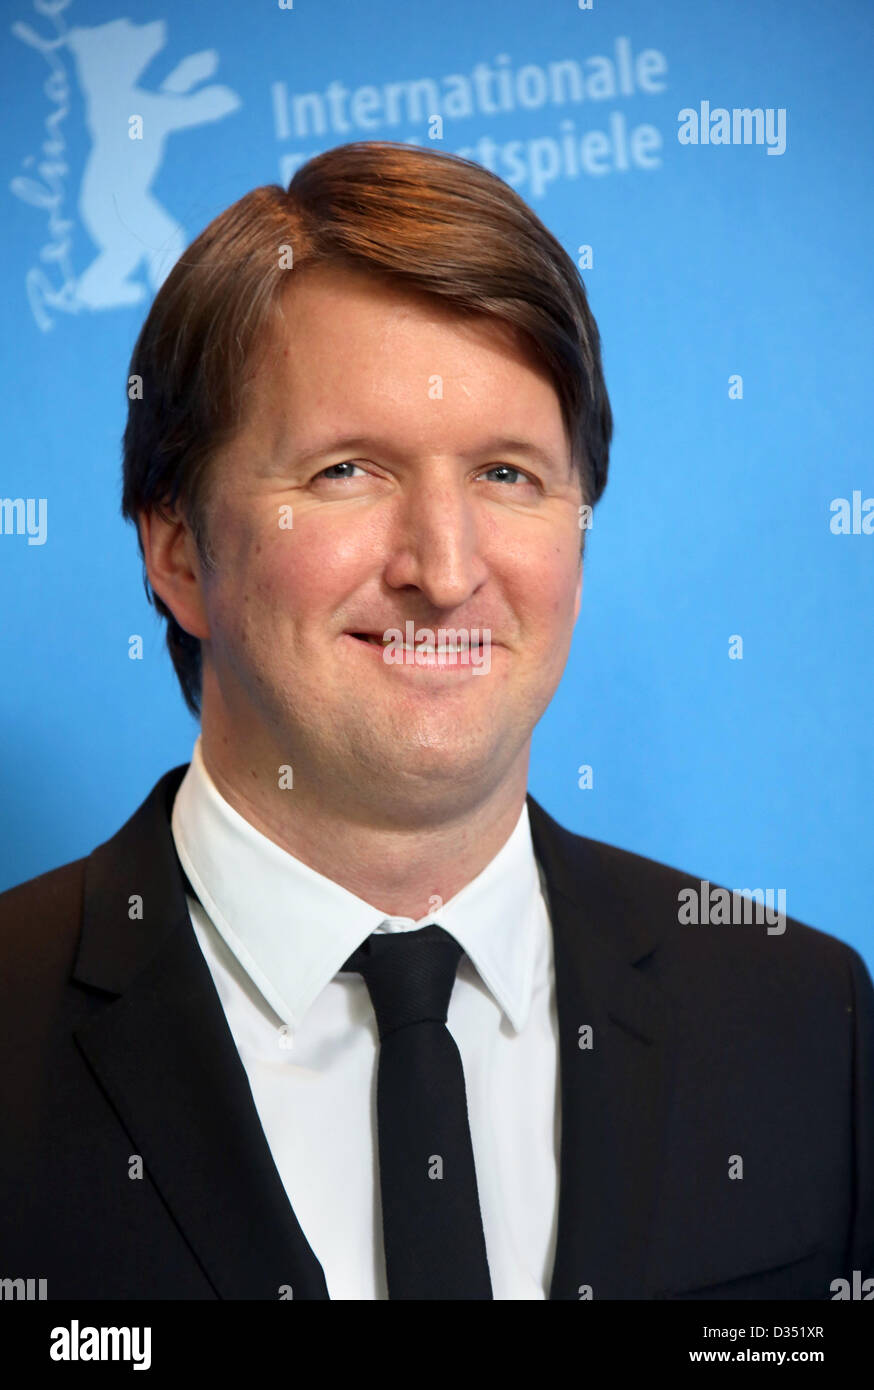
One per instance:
(434,545)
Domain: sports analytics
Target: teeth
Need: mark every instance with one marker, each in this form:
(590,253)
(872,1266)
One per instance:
(432,651)
(461,648)
(428,650)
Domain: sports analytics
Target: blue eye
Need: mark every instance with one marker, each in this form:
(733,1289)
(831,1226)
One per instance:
(330,470)
(507,468)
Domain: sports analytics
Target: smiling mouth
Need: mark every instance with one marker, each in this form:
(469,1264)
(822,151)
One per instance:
(378,641)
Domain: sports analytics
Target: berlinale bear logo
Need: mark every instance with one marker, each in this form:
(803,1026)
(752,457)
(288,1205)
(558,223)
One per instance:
(128,124)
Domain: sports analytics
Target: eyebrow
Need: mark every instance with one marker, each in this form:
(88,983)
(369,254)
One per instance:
(498,445)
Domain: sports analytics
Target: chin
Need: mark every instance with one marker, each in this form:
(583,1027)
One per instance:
(435,769)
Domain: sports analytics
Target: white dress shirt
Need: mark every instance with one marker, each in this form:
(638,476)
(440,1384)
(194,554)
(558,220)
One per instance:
(274,934)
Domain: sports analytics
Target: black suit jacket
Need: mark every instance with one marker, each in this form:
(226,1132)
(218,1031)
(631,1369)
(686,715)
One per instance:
(708,1042)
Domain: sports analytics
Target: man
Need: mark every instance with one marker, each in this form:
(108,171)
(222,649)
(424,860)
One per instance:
(341,1012)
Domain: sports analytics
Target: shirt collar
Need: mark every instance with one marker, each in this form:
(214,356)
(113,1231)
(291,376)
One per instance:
(292,928)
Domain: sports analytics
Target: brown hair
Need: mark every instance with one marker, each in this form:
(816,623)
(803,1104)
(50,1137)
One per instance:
(425,220)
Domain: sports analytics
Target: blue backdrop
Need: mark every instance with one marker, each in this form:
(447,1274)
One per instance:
(731,275)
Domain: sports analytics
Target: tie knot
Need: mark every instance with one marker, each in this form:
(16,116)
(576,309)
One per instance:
(409,975)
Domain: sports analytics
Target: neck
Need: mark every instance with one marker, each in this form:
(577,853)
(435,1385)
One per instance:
(406,861)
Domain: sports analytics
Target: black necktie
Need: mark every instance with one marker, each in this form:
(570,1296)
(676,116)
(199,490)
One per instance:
(432,1226)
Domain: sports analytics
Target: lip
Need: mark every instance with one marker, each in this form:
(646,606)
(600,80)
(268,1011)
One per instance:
(431,663)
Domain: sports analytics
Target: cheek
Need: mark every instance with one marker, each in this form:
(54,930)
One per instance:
(251,580)
(279,576)
(547,593)
(306,570)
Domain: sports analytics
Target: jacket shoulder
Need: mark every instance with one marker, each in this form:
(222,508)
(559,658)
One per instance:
(52,891)
(643,895)
(40,921)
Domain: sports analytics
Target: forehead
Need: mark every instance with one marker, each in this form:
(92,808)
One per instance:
(357,294)
(347,338)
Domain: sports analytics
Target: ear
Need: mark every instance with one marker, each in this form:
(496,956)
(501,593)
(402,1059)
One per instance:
(174,568)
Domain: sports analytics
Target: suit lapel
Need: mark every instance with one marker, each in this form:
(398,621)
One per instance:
(614,1095)
(166,1059)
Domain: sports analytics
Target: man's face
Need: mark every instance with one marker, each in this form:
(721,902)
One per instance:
(376,418)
